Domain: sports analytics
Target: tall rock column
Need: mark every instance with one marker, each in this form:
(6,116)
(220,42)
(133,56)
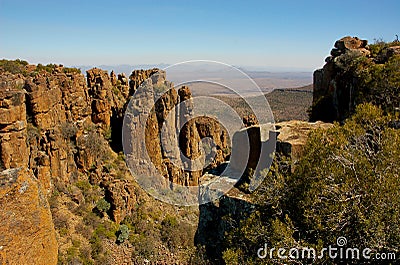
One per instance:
(189,138)
(165,109)
(100,89)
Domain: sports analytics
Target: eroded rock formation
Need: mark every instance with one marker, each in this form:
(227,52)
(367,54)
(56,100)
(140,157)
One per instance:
(173,134)
(53,127)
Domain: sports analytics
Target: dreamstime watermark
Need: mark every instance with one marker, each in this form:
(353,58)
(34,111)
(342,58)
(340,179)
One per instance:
(160,109)
(340,251)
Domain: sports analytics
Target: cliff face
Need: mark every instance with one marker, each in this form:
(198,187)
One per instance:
(52,124)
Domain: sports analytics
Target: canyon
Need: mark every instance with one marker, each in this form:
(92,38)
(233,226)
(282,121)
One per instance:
(61,130)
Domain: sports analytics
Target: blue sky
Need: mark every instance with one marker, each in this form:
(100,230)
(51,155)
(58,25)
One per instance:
(264,34)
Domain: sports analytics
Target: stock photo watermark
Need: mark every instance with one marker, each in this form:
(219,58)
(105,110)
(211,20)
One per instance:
(341,251)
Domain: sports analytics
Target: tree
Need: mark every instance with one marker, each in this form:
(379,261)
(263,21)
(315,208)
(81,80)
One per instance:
(347,183)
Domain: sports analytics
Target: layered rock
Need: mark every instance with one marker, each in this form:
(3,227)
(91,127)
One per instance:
(27,234)
(58,106)
(142,142)
(53,121)
(189,139)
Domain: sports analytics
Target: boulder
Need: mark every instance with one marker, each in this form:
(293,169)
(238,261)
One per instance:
(292,137)
(349,43)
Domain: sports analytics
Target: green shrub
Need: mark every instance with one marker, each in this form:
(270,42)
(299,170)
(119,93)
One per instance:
(84,186)
(72,70)
(107,134)
(13,66)
(123,233)
(144,246)
(176,234)
(103,206)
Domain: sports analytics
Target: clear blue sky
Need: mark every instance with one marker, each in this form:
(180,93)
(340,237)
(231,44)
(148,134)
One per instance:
(281,34)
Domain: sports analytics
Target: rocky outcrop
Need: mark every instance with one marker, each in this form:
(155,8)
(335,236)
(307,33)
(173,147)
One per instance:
(138,76)
(122,197)
(352,44)
(55,124)
(333,91)
(27,234)
(189,140)
(253,147)
(343,81)
(100,89)
(292,137)
(58,109)
(215,139)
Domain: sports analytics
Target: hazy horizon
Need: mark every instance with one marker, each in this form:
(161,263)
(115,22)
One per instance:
(266,80)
